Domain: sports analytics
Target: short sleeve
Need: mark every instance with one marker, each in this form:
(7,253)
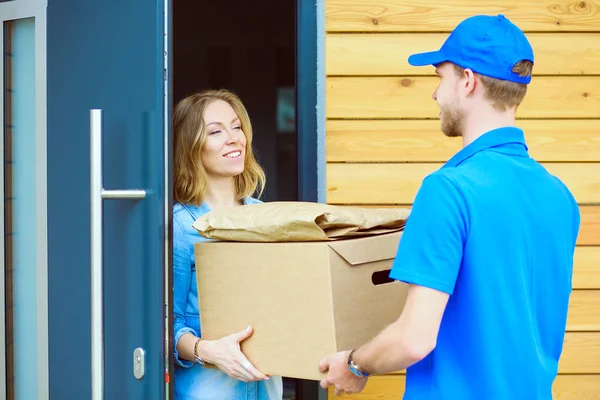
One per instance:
(431,247)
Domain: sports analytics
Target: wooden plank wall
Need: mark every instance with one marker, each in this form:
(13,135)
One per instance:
(383,135)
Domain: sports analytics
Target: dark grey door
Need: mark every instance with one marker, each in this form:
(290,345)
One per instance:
(107,56)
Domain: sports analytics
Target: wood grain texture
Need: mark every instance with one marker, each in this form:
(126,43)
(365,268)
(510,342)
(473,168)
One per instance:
(549,97)
(589,231)
(586,274)
(422,140)
(383,183)
(434,15)
(581,353)
(584,310)
(387,54)
(391,387)
(576,387)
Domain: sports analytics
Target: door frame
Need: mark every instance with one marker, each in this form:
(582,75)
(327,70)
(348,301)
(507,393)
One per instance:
(311,119)
(10,11)
(168,183)
(310,99)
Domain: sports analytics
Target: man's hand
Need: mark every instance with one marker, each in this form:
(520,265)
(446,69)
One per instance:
(338,374)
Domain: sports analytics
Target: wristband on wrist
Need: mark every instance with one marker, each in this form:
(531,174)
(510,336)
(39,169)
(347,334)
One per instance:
(355,369)
(198,359)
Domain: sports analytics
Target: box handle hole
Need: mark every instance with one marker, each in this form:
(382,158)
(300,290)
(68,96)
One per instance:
(381,277)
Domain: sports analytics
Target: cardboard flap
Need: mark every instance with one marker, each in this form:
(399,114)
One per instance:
(368,249)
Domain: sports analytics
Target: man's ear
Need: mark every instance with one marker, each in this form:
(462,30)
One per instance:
(469,82)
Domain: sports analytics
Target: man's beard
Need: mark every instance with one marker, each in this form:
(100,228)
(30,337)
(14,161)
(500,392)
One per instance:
(452,120)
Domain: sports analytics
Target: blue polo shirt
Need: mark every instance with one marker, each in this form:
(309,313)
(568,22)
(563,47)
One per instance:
(496,231)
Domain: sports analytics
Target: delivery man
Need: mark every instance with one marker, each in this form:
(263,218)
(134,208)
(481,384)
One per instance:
(488,249)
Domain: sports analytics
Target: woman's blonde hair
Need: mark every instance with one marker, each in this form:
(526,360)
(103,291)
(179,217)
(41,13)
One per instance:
(189,134)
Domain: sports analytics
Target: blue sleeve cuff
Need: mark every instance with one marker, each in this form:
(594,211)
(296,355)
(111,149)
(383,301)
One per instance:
(420,280)
(178,335)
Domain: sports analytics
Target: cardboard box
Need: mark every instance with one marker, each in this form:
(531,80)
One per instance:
(306,300)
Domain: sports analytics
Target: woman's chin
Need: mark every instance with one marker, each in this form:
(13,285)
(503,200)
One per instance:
(236,171)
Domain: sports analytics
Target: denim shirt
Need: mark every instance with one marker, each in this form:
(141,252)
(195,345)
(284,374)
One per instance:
(192,380)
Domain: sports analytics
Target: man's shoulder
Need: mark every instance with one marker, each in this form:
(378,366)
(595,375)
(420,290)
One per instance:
(449,178)
(442,187)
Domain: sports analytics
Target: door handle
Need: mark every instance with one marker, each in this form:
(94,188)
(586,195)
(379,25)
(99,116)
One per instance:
(97,195)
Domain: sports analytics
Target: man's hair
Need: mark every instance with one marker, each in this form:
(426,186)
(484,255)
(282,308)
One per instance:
(504,94)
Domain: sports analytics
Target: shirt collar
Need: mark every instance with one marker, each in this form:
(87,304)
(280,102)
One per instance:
(508,140)
(204,208)
(196,211)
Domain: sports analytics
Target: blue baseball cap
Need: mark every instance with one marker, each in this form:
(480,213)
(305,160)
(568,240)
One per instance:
(488,45)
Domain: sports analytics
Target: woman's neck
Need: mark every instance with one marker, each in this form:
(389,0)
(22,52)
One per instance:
(221,194)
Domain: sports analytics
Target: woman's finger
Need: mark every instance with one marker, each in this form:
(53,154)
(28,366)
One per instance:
(240,374)
(244,376)
(254,373)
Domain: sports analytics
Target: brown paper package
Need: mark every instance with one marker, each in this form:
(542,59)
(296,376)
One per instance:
(292,221)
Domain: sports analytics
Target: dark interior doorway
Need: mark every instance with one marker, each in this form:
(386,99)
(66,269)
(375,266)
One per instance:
(250,49)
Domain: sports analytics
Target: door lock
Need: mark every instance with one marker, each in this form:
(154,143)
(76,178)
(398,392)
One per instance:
(139,363)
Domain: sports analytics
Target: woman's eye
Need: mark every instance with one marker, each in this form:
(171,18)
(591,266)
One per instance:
(214,132)
(237,127)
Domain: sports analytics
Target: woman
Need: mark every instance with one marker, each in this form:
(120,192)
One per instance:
(214,167)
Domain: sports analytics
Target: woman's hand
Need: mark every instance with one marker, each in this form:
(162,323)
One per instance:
(226,354)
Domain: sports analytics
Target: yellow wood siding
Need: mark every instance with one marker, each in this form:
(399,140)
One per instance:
(442,16)
(398,183)
(421,140)
(403,97)
(386,54)
(383,132)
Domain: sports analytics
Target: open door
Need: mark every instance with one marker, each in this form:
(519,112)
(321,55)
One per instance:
(108,198)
